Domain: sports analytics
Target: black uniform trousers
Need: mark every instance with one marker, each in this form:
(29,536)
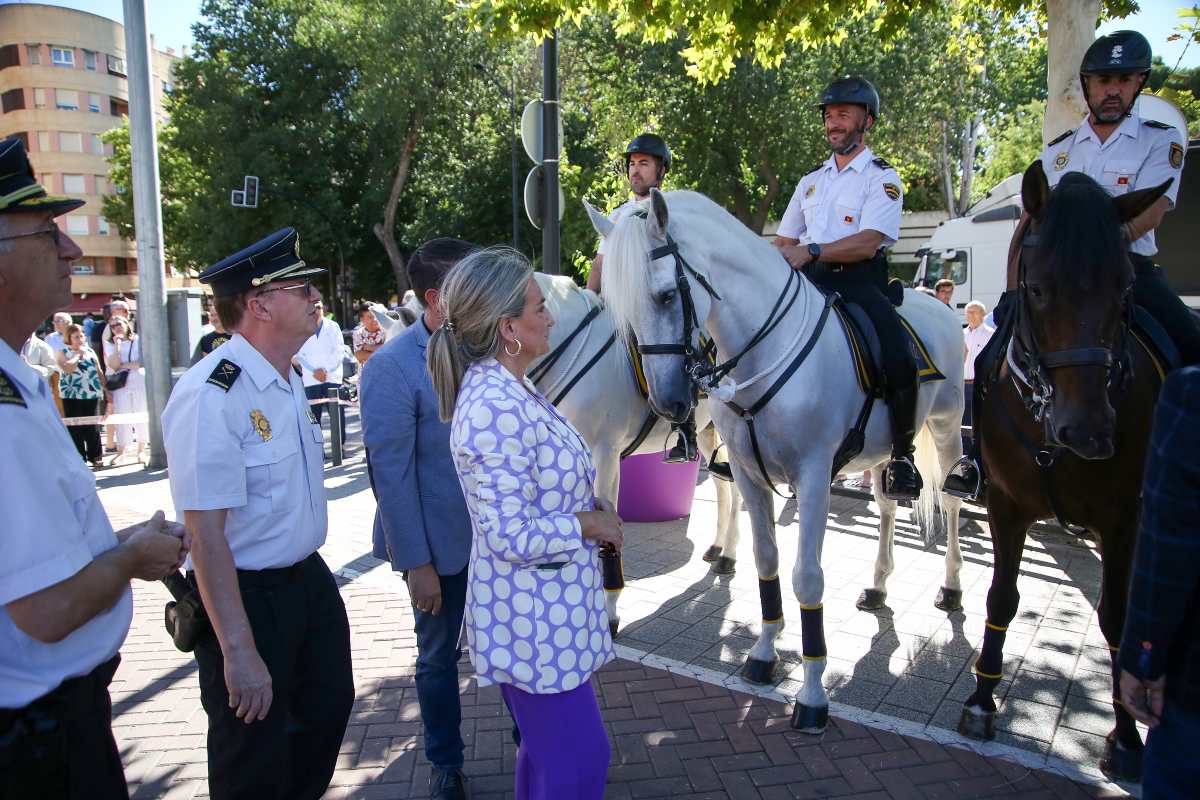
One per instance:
(302,634)
(1151,292)
(61,746)
(865,283)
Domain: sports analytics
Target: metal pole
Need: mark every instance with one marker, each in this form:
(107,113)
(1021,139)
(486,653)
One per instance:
(512,141)
(335,425)
(550,147)
(147,206)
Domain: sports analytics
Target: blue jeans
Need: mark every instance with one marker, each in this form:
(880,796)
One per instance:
(437,674)
(1169,768)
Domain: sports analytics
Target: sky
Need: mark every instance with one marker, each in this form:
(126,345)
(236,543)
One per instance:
(171,21)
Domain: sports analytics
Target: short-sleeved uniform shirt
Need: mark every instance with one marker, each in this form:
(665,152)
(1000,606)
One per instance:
(1139,154)
(829,204)
(53,527)
(253,448)
(618,214)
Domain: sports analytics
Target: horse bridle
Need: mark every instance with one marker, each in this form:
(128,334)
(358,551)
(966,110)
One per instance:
(1036,365)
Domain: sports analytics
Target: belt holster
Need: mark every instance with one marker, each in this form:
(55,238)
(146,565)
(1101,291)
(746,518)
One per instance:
(184,617)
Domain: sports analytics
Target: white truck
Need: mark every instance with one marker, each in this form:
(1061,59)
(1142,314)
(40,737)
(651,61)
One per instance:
(972,250)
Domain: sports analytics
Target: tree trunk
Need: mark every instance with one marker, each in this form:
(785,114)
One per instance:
(385,231)
(970,141)
(947,172)
(766,170)
(1071,27)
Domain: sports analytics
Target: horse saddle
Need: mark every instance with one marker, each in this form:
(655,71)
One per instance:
(867,354)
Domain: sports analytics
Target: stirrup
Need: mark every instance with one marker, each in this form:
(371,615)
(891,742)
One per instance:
(964,480)
(683,452)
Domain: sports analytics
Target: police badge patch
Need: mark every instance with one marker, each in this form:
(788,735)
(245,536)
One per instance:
(1061,159)
(1176,155)
(9,393)
(261,425)
(809,191)
(892,191)
(225,374)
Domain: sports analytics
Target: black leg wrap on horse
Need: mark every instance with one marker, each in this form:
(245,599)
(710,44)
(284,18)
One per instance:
(614,574)
(812,632)
(771,598)
(990,666)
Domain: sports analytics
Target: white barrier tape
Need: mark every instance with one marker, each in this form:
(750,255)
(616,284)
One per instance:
(330,400)
(112,419)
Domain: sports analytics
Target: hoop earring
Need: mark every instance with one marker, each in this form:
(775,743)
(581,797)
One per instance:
(510,353)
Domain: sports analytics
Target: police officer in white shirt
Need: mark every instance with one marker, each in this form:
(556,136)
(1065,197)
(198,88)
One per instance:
(65,601)
(1123,153)
(837,224)
(247,474)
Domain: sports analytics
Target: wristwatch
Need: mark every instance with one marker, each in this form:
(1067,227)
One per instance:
(814,250)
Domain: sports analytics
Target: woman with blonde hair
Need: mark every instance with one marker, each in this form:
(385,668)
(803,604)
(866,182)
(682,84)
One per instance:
(123,354)
(535,614)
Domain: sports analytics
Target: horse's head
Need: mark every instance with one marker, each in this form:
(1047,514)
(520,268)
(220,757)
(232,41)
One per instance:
(658,300)
(1073,304)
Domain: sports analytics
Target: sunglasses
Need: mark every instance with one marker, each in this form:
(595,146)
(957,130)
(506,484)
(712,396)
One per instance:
(306,286)
(52,232)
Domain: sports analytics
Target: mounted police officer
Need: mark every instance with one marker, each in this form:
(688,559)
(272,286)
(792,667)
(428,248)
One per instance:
(247,467)
(65,601)
(839,220)
(1123,153)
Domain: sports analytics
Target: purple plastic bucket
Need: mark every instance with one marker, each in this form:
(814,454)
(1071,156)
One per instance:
(652,491)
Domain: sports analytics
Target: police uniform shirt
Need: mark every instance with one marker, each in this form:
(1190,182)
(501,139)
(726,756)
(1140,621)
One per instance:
(53,527)
(619,213)
(241,437)
(829,204)
(1139,154)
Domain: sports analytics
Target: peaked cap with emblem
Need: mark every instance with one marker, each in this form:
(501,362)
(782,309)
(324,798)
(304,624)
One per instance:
(271,259)
(19,189)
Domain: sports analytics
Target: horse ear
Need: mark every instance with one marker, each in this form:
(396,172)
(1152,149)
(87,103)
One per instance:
(1035,189)
(658,213)
(601,223)
(1132,204)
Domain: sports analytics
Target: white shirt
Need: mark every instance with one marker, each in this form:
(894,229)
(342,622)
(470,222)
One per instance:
(323,350)
(829,205)
(55,340)
(54,526)
(619,213)
(974,339)
(255,449)
(1137,155)
(40,356)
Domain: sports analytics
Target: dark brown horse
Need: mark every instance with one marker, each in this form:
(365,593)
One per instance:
(1065,426)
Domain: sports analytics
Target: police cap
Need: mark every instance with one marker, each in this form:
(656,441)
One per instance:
(1119,52)
(271,259)
(852,90)
(650,144)
(19,189)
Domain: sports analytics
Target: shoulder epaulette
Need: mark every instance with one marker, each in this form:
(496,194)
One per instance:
(1060,138)
(1153,123)
(225,374)
(9,393)
(881,163)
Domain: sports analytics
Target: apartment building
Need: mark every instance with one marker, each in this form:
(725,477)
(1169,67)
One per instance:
(63,84)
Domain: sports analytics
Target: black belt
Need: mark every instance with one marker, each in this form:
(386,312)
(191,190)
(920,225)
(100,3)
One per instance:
(267,578)
(1141,264)
(852,267)
(77,693)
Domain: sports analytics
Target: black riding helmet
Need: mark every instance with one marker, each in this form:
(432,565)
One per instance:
(650,144)
(857,91)
(1119,52)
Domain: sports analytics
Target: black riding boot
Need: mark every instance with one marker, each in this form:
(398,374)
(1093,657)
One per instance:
(685,446)
(902,481)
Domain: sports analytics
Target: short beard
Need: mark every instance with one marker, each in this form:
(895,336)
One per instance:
(1109,117)
(853,139)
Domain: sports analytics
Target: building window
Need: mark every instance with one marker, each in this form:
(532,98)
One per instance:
(77,225)
(89,60)
(12,100)
(73,184)
(66,99)
(39,98)
(101,184)
(96,144)
(62,57)
(83,268)
(94,103)
(44,141)
(102,226)
(70,142)
(168,87)
(121,265)
(34,53)
(118,108)
(10,56)
(116,66)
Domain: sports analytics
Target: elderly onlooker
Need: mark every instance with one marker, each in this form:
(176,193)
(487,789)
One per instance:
(944,290)
(536,619)
(56,338)
(40,356)
(975,335)
(1160,647)
(82,392)
(123,354)
(320,362)
(369,336)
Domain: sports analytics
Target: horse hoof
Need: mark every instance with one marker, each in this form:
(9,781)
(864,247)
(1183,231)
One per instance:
(712,554)
(1121,763)
(871,600)
(810,719)
(977,724)
(949,599)
(724,565)
(758,671)
(612,628)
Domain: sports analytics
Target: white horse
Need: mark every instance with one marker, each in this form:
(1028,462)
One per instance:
(589,378)
(656,266)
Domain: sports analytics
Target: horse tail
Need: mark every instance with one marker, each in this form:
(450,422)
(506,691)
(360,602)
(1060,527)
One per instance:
(927,508)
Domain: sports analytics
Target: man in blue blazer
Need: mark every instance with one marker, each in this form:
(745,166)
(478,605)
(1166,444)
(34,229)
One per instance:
(421,525)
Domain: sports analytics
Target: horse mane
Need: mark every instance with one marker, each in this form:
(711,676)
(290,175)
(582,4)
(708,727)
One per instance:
(1080,234)
(626,279)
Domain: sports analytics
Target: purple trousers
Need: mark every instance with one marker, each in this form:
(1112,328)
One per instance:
(564,750)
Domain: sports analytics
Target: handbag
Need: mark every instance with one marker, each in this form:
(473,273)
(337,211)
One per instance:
(117,379)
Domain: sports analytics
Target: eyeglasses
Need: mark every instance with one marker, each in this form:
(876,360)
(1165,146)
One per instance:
(306,286)
(53,232)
